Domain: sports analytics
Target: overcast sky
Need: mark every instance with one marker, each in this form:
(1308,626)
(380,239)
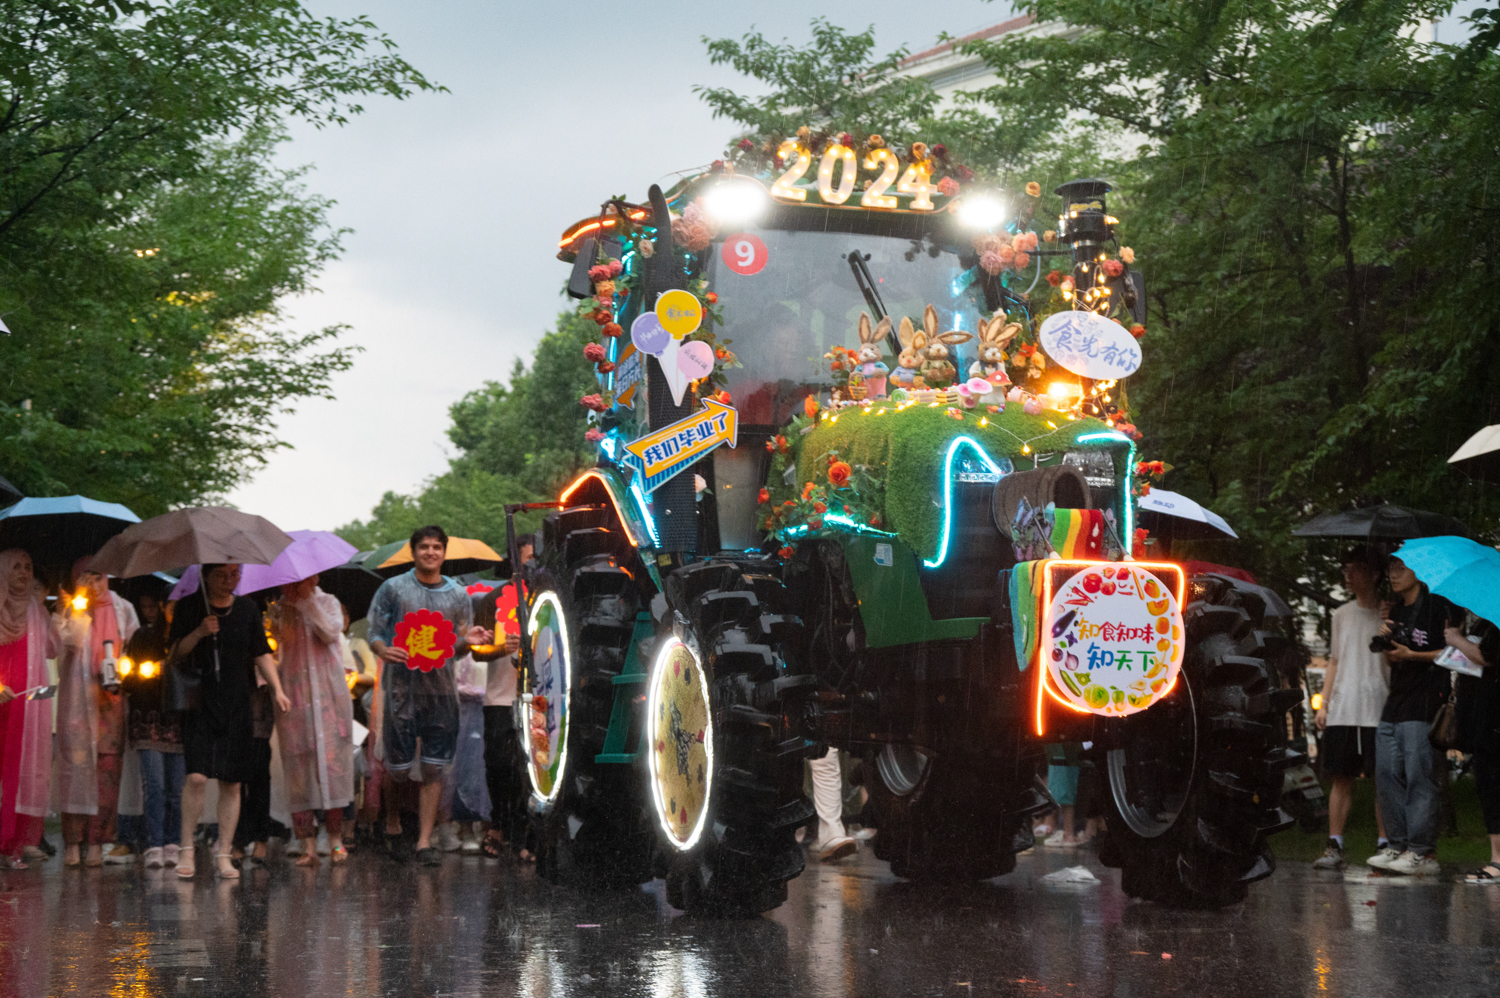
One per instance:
(457,201)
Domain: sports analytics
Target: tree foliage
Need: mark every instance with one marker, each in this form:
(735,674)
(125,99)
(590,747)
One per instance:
(147,239)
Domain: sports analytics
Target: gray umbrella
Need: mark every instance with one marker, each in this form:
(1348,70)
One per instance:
(1377,522)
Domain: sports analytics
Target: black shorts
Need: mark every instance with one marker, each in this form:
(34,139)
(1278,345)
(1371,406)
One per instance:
(433,719)
(1348,751)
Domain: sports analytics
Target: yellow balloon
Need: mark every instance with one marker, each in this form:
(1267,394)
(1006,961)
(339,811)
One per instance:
(679,313)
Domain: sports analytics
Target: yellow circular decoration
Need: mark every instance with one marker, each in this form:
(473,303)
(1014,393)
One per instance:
(679,313)
(680,735)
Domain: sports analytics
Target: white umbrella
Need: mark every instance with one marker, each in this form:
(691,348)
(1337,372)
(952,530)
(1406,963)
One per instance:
(1480,455)
(1172,504)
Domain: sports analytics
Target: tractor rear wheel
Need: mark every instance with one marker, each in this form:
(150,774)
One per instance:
(1195,781)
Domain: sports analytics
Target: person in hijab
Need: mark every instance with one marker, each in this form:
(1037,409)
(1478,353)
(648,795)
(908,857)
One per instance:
(94,625)
(315,735)
(27,640)
(219,639)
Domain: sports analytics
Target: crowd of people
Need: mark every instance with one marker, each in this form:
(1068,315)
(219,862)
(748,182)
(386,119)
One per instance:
(219,723)
(216,723)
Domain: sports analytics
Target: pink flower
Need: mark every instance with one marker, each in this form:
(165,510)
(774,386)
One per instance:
(647,248)
(746,145)
(1032,407)
(594,353)
(599,272)
(1007,253)
(948,187)
(1067,284)
(616,267)
(593,435)
(594,402)
(1031,242)
(1022,261)
(1114,268)
(987,243)
(991,262)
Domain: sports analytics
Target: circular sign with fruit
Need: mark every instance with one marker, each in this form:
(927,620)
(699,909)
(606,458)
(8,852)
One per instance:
(1113,639)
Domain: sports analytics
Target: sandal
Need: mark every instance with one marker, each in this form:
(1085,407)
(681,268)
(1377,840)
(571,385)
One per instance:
(71,857)
(185,863)
(307,859)
(225,859)
(1485,876)
(339,854)
(491,846)
(13,863)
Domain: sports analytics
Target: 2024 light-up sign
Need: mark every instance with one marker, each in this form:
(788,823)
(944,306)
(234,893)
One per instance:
(840,159)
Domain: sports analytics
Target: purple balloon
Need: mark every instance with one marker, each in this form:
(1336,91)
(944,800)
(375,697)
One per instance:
(648,335)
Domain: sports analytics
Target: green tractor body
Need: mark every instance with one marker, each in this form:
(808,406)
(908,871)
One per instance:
(709,632)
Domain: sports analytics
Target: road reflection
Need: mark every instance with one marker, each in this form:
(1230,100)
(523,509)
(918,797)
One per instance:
(474,928)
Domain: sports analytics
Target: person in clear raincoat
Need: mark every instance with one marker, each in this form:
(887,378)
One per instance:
(316,735)
(27,640)
(91,732)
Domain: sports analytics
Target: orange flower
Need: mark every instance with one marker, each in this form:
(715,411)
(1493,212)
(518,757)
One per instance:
(786,552)
(1034,189)
(788,503)
(765,495)
(819,507)
(781,444)
(810,404)
(807,490)
(875,520)
(838,474)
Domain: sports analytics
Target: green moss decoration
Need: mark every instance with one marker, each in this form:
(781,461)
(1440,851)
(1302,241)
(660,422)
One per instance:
(906,449)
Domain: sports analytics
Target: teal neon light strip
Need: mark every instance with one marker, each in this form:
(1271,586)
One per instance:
(942,553)
(640,501)
(843,521)
(1127,500)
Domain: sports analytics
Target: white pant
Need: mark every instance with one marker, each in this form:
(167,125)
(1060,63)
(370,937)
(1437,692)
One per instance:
(828,796)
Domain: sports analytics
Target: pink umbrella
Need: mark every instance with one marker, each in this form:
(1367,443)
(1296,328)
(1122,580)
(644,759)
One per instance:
(311,552)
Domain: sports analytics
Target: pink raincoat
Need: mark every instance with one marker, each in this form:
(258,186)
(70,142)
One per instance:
(315,736)
(34,779)
(90,720)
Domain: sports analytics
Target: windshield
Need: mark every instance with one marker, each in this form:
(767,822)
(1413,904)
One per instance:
(806,300)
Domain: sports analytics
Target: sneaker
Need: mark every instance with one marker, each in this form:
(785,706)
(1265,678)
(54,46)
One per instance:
(1412,865)
(154,858)
(470,843)
(1383,859)
(835,849)
(294,848)
(34,852)
(169,854)
(119,855)
(1332,858)
(447,838)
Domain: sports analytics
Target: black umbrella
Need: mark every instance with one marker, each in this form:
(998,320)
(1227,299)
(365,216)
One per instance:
(1382,522)
(58,530)
(9,493)
(353,584)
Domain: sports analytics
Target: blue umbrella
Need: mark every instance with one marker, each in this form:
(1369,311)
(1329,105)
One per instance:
(58,530)
(1458,569)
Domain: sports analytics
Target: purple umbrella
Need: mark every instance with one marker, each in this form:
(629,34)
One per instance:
(311,552)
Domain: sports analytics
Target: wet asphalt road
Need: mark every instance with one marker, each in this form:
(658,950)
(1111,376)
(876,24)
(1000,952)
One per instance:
(478,928)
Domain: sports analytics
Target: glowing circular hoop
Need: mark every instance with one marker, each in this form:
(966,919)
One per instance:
(680,743)
(546,717)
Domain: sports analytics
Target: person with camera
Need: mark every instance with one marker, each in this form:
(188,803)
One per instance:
(1477,717)
(1355,688)
(1406,764)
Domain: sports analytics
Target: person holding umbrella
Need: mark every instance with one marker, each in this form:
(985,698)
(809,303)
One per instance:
(420,696)
(218,640)
(1477,713)
(317,753)
(95,625)
(27,640)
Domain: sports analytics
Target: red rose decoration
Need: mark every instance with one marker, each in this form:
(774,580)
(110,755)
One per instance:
(612,329)
(765,495)
(593,352)
(427,637)
(1137,330)
(838,474)
(1114,268)
(1054,278)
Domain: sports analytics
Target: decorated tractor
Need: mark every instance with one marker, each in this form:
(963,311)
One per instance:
(866,480)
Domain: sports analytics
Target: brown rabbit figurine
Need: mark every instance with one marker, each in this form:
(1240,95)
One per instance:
(994,336)
(937,370)
(869,361)
(913,350)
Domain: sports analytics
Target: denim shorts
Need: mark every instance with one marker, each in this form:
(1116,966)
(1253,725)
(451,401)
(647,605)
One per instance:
(433,719)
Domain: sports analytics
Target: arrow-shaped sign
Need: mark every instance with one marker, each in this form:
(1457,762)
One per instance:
(658,456)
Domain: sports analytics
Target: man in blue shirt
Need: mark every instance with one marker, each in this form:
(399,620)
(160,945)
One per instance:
(421,707)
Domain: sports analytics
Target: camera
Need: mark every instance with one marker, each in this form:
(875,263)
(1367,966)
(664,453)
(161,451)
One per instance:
(1400,635)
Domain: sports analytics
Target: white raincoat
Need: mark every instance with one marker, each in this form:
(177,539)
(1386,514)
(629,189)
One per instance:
(317,753)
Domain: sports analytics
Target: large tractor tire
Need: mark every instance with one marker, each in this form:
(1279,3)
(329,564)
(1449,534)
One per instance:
(726,716)
(1195,781)
(947,819)
(593,827)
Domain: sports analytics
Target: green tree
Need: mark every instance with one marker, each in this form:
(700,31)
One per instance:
(147,239)
(518,442)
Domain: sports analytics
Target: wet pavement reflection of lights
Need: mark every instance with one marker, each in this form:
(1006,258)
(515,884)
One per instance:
(473,927)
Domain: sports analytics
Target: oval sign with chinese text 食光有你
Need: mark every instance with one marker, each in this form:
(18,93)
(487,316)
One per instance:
(1090,345)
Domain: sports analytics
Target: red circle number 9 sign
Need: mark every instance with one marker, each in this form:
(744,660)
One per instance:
(744,254)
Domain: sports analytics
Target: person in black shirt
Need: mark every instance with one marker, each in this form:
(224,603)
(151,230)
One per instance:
(155,733)
(219,638)
(1477,712)
(1406,765)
